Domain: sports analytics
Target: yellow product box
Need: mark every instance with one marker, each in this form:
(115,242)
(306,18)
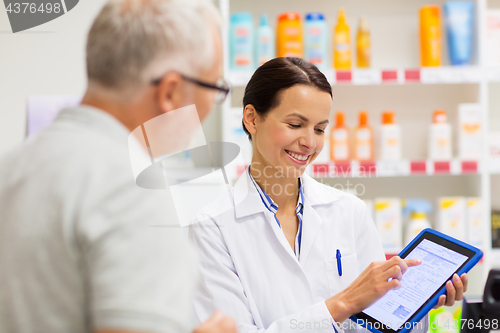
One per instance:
(474,222)
(450,216)
(388,221)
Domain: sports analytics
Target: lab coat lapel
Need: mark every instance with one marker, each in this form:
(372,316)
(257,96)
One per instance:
(315,194)
(280,236)
(310,227)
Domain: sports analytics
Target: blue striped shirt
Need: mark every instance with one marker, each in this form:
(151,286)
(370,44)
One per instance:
(273,208)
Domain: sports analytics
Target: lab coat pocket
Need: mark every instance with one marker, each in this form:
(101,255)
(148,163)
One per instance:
(337,283)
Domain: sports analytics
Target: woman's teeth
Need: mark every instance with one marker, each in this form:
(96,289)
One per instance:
(296,156)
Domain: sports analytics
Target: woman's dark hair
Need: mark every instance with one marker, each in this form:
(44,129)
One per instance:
(269,80)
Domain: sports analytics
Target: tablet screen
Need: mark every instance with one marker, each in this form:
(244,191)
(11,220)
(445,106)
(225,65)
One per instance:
(419,283)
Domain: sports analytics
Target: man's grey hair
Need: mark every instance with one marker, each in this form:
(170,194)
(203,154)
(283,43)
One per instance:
(132,42)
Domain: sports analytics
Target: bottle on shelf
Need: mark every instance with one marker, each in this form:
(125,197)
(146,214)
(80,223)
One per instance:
(342,44)
(430,36)
(363,45)
(390,138)
(363,139)
(339,136)
(265,41)
(440,137)
(459,27)
(289,41)
(241,41)
(417,209)
(316,39)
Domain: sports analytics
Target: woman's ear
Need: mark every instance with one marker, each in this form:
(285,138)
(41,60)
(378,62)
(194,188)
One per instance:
(250,117)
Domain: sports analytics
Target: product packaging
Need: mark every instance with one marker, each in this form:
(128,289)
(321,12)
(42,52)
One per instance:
(474,223)
(459,27)
(430,36)
(342,49)
(388,222)
(241,41)
(316,40)
(290,40)
(440,137)
(389,138)
(492,44)
(495,229)
(417,211)
(265,41)
(469,132)
(339,139)
(324,156)
(450,217)
(363,45)
(363,139)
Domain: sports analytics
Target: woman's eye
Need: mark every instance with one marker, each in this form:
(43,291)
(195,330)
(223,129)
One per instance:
(294,125)
(320,131)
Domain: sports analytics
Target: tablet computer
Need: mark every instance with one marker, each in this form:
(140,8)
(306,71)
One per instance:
(399,311)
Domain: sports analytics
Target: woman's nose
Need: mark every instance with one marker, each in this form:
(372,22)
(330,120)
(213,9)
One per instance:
(308,140)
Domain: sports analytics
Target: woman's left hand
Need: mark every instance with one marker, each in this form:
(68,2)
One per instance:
(454,291)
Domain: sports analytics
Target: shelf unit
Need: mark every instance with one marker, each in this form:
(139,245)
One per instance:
(396,82)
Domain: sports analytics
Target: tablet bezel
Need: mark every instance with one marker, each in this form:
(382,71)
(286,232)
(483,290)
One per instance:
(438,239)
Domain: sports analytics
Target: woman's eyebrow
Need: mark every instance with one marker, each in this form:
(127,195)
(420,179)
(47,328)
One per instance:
(305,119)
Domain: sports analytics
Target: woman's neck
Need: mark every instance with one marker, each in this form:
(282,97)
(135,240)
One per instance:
(281,188)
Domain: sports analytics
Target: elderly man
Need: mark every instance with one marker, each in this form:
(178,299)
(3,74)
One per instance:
(76,250)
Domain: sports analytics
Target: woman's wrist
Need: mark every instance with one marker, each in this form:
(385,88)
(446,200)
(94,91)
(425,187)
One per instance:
(339,308)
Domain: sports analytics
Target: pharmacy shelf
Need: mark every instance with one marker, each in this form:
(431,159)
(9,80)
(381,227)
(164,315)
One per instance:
(393,74)
(401,168)
(426,75)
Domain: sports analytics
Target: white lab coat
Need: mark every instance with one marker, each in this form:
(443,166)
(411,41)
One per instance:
(250,272)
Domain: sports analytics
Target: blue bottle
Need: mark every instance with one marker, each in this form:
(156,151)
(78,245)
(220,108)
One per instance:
(265,42)
(316,40)
(241,42)
(459,17)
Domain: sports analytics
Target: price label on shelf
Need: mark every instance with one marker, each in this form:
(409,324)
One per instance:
(418,167)
(469,167)
(412,75)
(321,170)
(389,76)
(342,169)
(365,77)
(367,169)
(343,76)
(442,167)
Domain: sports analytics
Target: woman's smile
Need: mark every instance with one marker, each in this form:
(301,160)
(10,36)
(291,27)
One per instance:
(299,158)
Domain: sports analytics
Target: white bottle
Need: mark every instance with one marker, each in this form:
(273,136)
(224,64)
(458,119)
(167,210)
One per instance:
(440,137)
(390,138)
(417,223)
(265,41)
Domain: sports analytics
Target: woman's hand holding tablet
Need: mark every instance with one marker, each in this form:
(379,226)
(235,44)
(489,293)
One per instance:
(423,287)
(373,283)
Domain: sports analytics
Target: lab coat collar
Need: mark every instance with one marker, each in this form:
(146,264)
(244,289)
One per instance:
(248,202)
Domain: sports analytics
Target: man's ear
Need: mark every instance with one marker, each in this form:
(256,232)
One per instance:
(170,93)
(250,118)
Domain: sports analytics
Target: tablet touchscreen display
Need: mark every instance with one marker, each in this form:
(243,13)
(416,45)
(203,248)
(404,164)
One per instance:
(419,284)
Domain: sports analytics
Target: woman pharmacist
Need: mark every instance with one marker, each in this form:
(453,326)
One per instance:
(269,251)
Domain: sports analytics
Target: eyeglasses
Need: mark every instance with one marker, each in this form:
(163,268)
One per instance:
(221,86)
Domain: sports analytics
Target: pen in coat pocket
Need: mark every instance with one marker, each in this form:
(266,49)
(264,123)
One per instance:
(339,262)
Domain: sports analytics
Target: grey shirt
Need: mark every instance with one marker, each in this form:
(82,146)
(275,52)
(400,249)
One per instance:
(77,252)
